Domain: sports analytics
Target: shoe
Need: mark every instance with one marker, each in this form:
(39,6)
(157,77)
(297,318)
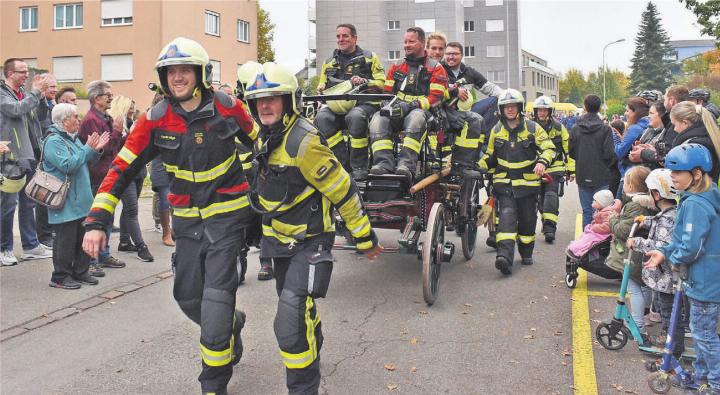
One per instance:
(688,334)
(359,174)
(112,263)
(708,390)
(127,247)
(404,171)
(144,254)
(491,242)
(266,272)
(527,261)
(379,170)
(115,229)
(550,237)
(96,271)
(216,392)
(47,244)
(654,316)
(503,265)
(38,252)
(685,383)
(8,258)
(158,228)
(237,345)
(66,283)
(86,278)
(167,238)
(659,340)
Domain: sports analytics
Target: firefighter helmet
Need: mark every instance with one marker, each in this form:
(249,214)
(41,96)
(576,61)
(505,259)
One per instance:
(543,102)
(511,96)
(340,107)
(182,50)
(246,73)
(275,80)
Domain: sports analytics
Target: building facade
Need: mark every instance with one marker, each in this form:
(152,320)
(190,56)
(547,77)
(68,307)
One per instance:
(119,40)
(537,79)
(684,49)
(488,29)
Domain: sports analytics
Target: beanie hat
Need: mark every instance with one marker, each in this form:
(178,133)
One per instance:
(605,198)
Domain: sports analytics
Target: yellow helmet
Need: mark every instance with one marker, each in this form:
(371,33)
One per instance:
(340,107)
(543,102)
(182,50)
(274,80)
(511,96)
(246,73)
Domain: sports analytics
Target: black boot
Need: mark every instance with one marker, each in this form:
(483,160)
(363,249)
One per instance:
(504,265)
(237,346)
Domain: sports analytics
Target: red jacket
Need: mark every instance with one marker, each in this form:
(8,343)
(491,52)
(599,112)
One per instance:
(426,85)
(97,122)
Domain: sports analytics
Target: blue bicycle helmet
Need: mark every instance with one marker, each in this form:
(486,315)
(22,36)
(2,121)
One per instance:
(688,157)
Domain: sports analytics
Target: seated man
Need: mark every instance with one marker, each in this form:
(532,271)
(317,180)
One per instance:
(419,84)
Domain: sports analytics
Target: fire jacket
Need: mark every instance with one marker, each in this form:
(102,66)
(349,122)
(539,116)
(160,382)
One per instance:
(427,81)
(562,163)
(361,63)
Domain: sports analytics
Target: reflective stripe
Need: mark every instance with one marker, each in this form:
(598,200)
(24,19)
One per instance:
(105,201)
(526,239)
(550,217)
(437,87)
(305,358)
(202,176)
(555,169)
(216,358)
(411,144)
(381,145)
(269,204)
(270,232)
(389,83)
(365,245)
(332,192)
(358,143)
(213,209)
(515,165)
(127,155)
(464,141)
(336,139)
(424,103)
(254,132)
(500,236)
(247,166)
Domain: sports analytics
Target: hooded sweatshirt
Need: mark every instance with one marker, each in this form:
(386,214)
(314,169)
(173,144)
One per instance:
(622,147)
(591,146)
(696,243)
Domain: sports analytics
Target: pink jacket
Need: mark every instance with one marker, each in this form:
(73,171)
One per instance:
(601,219)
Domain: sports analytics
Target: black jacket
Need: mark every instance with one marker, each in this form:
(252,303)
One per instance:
(592,147)
(699,135)
(470,75)
(654,159)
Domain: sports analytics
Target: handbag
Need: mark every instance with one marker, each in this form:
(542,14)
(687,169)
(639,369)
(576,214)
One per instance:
(46,189)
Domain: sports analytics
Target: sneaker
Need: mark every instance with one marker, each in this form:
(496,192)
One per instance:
(96,271)
(66,283)
(684,382)
(144,254)
(38,252)
(86,278)
(705,389)
(8,258)
(238,346)
(127,247)
(266,272)
(47,244)
(158,228)
(112,263)
(688,334)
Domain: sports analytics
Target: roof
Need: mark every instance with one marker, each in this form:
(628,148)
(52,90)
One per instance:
(692,43)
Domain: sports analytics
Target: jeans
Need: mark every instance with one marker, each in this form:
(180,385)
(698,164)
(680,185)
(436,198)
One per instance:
(586,199)
(129,225)
(640,296)
(163,204)
(26,215)
(486,108)
(703,325)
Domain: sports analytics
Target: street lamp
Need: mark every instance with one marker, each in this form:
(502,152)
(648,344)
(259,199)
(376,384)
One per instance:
(605,70)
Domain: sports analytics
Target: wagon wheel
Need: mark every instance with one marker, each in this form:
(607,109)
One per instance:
(432,252)
(469,205)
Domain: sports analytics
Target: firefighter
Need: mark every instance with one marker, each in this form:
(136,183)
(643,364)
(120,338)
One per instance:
(192,130)
(561,168)
(360,67)
(519,152)
(419,83)
(299,184)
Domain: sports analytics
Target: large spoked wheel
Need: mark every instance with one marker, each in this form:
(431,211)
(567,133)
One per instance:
(611,335)
(470,204)
(432,252)
(659,382)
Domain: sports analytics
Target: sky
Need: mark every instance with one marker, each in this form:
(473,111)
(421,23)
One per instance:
(566,33)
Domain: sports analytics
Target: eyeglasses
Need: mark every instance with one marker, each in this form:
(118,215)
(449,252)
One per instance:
(452,53)
(20,72)
(109,95)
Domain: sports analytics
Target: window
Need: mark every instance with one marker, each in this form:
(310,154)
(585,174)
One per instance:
(116,67)
(215,71)
(494,25)
(68,16)
(31,62)
(496,76)
(469,51)
(393,25)
(212,23)
(469,26)
(243,31)
(495,51)
(490,3)
(116,12)
(424,1)
(68,68)
(523,78)
(393,55)
(426,24)
(468,3)
(28,19)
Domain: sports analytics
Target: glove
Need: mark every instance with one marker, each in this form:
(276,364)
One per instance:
(402,109)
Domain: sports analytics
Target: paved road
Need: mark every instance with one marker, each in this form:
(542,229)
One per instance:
(486,333)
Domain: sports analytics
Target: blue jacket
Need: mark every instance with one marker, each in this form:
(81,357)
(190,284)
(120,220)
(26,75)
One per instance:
(65,155)
(622,148)
(696,243)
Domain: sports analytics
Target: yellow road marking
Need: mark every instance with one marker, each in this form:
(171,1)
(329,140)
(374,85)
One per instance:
(603,294)
(584,379)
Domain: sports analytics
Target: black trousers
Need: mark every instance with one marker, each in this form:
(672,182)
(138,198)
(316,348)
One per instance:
(69,259)
(517,217)
(550,203)
(42,227)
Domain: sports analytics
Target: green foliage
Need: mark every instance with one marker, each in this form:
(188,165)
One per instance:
(615,106)
(708,14)
(651,65)
(265,32)
(573,87)
(310,87)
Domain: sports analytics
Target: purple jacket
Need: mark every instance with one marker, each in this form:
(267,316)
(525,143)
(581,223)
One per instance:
(97,122)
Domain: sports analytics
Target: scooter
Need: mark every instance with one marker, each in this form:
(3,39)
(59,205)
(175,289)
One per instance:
(659,382)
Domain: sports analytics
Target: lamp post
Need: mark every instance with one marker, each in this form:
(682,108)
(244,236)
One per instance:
(605,71)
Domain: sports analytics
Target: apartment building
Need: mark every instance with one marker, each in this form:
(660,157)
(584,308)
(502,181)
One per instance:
(119,40)
(537,79)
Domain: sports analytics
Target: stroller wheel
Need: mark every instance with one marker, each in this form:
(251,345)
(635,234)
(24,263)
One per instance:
(651,366)
(659,382)
(571,280)
(611,335)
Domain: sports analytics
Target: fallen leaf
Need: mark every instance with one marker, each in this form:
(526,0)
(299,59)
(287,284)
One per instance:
(413,369)
(563,363)
(513,361)
(413,341)
(119,370)
(558,333)
(468,305)
(533,329)
(545,297)
(392,387)
(404,332)
(596,310)
(554,285)
(566,352)
(464,312)
(492,314)
(422,312)
(417,302)
(528,337)
(391,367)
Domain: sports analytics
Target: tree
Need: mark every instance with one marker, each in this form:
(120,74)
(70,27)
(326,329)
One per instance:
(265,32)
(702,64)
(651,67)
(708,14)
(616,84)
(573,87)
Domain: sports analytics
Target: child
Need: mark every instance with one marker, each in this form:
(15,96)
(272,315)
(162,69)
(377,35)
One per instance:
(635,203)
(599,229)
(696,243)
(659,278)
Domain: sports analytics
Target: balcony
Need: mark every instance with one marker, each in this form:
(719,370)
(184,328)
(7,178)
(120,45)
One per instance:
(312,43)
(312,14)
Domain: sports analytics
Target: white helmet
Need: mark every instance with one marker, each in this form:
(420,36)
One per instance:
(659,180)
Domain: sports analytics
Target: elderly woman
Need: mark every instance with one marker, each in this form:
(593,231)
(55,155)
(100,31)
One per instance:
(65,156)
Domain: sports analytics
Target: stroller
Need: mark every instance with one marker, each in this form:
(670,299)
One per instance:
(593,262)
